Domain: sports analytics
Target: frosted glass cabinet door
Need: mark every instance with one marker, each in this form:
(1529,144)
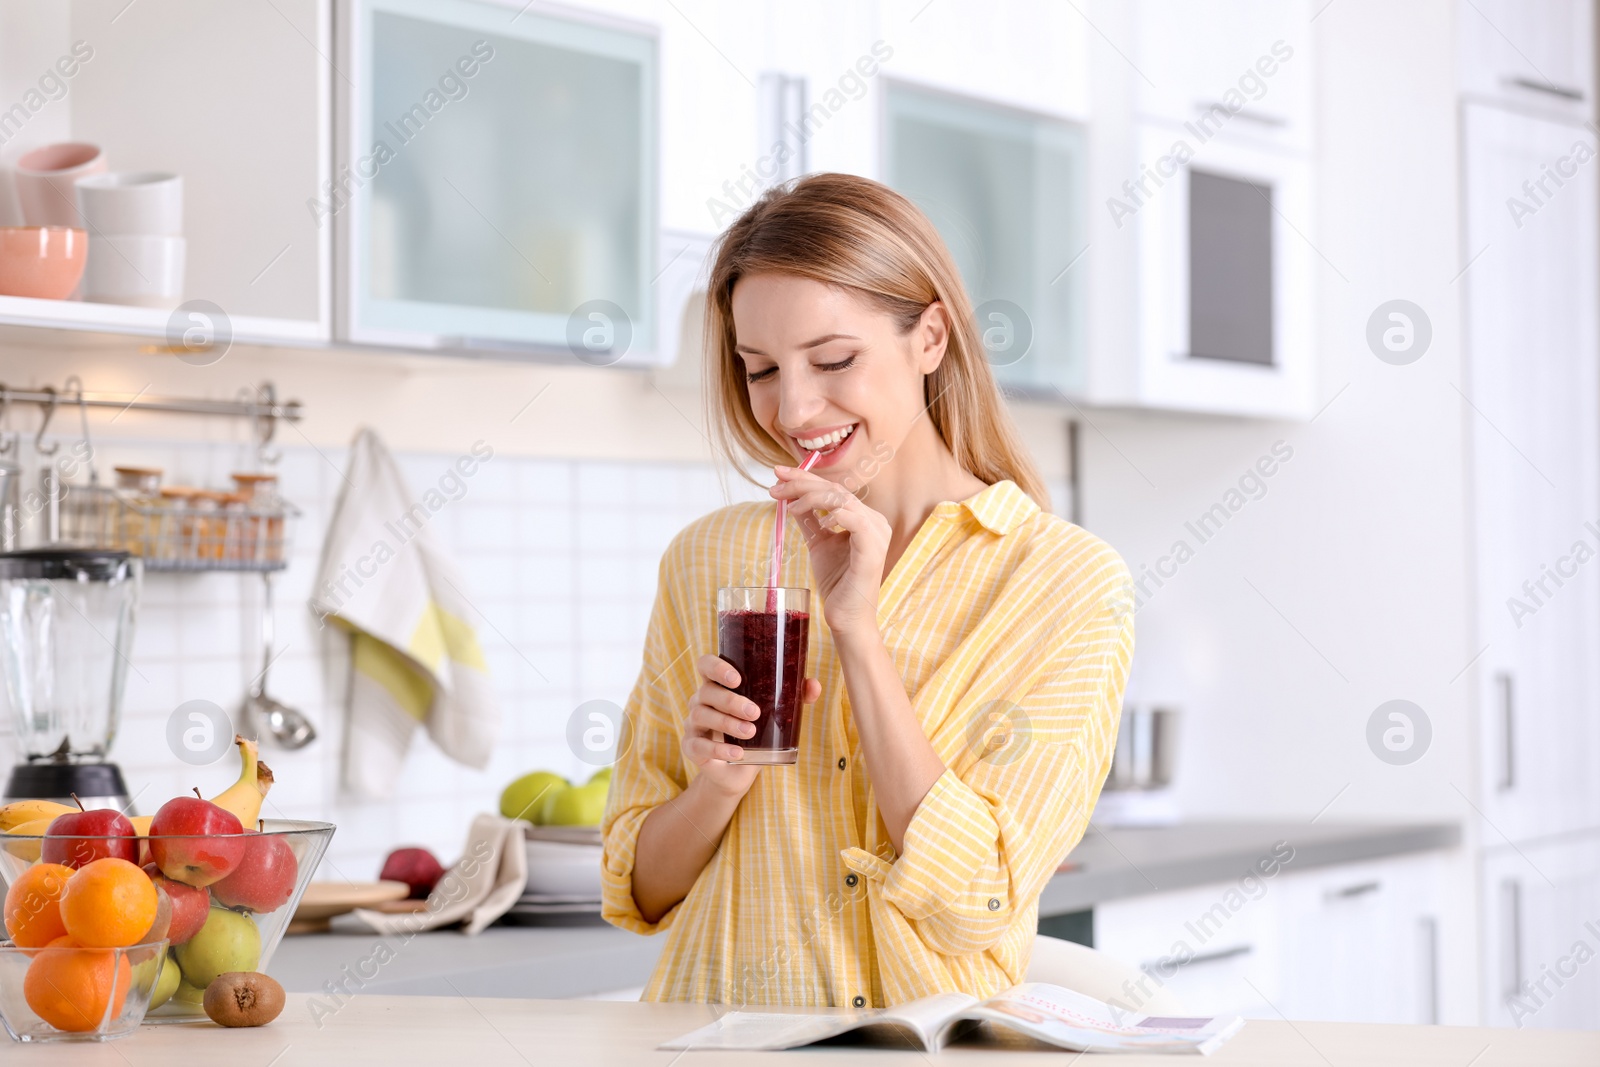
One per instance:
(501,182)
(1005,189)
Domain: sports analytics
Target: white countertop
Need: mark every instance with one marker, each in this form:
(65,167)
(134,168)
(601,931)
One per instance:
(430,1031)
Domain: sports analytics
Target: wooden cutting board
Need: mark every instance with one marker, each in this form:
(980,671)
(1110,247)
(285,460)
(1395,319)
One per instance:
(324,900)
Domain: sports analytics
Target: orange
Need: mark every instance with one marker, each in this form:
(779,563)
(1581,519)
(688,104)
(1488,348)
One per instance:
(109,903)
(33,905)
(71,988)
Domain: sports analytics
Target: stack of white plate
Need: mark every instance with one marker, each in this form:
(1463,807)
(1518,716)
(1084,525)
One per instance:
(563,876)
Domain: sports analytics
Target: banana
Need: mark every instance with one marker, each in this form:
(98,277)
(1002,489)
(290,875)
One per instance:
(141,825)
(18,812)
(28,850)
(244,797)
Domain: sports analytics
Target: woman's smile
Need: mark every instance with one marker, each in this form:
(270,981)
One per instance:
(831,441)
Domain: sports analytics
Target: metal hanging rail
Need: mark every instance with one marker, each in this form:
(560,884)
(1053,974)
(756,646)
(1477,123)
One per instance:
(268,408)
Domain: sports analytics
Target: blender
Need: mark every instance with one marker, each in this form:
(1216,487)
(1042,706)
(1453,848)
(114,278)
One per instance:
(66,626)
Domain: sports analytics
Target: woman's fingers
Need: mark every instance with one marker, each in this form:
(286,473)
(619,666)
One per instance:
(716,669)
(701,749)
(813,691)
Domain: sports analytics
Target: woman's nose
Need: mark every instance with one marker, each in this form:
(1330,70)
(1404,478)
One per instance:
(798,401)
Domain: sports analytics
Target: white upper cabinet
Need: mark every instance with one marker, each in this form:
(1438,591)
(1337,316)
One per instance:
(1025,53)
(499,181)
(1529,53)
(232,98)
(1005,189)
(1241,68)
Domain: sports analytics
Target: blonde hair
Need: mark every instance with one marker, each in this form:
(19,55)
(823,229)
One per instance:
(860,235)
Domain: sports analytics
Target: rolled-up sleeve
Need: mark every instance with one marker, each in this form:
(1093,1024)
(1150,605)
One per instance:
(650,769)
(1000,820)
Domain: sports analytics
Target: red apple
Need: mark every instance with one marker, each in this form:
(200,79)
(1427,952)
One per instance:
(204,843)
(161,925)
(190,905)
(416,867)
(105,832)
(264,879)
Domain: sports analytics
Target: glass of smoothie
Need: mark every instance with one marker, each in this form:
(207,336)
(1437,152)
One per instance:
(765,633)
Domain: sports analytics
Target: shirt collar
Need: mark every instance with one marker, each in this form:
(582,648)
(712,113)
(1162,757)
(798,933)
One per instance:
(999,508)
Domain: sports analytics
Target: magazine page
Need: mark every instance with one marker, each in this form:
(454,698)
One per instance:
(1077,1023)
(922,1024)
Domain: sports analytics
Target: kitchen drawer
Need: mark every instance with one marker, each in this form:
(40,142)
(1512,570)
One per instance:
(1213,947)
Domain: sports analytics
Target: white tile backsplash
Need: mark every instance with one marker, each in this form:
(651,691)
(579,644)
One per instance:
(559,560)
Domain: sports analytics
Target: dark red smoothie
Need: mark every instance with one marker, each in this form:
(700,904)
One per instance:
(768,649)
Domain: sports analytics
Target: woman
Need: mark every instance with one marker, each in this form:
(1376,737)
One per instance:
(965,674)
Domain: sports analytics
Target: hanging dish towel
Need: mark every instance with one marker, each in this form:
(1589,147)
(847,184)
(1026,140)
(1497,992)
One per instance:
(414,657)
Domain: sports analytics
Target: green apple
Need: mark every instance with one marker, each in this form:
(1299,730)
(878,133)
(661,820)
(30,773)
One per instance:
(602,775)
(524,797)
(166,982)
(192,996)
(229,941)
(576,805)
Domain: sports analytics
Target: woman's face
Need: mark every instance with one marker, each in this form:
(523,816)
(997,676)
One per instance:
(827,371)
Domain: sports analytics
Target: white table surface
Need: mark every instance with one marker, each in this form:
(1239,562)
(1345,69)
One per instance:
(395,1031)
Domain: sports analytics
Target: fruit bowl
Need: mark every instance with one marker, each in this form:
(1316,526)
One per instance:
(231,924)
(77,994)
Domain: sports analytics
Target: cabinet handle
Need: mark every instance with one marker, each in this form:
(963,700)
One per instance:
(1566,92)
(1360,889)
(1174,964)
(1257,117)
(1511,940)
(1508,732)
(1428,947)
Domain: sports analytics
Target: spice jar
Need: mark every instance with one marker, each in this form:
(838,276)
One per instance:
(140,490)
(174,535)
(265,508)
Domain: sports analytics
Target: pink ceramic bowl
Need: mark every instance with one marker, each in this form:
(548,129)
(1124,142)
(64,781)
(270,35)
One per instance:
(41,261)
(45,178)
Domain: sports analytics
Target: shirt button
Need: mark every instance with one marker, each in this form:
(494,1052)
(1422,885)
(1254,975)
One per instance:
(859,1000)
(841,763)
(994,903)
(850,879)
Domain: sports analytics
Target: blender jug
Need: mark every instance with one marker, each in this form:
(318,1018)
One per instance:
(66,627)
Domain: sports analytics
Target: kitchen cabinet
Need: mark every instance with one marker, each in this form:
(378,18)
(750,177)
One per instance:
(501,171)
(1238,66)
(1353,942)
(1226,281)
(1541,934)
(1537,55)
(1215,947)
(1362,942)
(1006,191)
(1532,409)
(247,129)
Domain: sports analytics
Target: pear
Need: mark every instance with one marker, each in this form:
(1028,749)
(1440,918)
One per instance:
(229,941)
(166,982)
(524,797)
(577,805)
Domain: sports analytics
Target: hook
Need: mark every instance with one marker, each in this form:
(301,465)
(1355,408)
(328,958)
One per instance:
(6,444)
(267,426)
(49,408)
(83,422)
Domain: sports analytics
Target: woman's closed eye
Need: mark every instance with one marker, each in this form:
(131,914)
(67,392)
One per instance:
(767,372)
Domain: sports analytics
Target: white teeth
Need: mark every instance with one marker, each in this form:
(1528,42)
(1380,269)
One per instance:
(814,444)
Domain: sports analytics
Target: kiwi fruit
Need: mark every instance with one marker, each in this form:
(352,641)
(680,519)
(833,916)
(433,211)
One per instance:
(243,998)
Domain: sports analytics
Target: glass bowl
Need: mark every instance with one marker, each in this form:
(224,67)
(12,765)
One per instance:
(245,917)
(77,994)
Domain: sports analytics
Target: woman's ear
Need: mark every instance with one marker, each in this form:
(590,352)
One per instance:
(931,337)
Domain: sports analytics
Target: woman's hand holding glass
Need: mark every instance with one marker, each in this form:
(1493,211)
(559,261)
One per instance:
(718,718)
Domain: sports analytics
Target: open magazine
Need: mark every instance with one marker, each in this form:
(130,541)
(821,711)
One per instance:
(1048,1012)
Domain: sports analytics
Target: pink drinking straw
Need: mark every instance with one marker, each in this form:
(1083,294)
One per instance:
(777,542)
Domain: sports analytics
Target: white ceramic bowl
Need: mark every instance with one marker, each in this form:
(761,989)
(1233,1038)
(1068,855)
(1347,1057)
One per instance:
(45,177)
(141,269)
(556,867)
(149,202)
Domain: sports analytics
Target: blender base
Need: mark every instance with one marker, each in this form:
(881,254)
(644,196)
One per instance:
(98,785)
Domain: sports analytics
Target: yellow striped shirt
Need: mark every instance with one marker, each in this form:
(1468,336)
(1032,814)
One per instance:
(1013,630)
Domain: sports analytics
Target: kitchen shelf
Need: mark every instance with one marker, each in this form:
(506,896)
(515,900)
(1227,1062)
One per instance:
(145,322)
